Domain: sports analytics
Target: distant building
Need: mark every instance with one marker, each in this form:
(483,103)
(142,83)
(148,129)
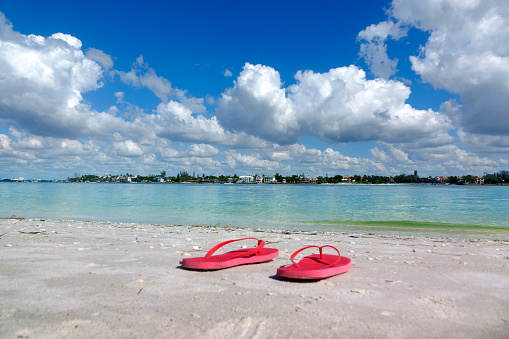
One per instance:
(441,179)
(347,178)
(303,180)
(246,179)
(269,180)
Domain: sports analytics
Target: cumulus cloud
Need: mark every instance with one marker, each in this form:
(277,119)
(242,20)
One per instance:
(127,148)
(5,146)
(210,99)
(250,162)
(141,75)
(227,73)
(487,144)
(43,82)
(463,161)
(176,121)
(73,147)
(101,58)
(446,159)
(22,152)
(374,50)
(466,53)
(120,96)
(343,106)
(259,120)
(258,106)
(311,160)
(203,150)
(339,106)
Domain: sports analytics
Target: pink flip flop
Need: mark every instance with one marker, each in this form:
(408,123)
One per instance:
(233,258)
(315,266)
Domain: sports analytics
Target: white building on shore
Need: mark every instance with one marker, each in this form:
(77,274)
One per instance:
(246,179)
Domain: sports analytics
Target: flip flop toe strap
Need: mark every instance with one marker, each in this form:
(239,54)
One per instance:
(257,249)
(321,254)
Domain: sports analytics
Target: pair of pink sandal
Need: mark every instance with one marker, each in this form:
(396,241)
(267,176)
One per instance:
(315,266)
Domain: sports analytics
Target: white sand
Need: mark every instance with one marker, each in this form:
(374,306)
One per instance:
(68,279)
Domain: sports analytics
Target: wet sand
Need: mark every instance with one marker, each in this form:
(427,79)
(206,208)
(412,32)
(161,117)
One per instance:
(70,279)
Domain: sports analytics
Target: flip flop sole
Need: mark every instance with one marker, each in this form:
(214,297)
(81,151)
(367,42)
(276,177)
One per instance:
(217,262)
(312,269)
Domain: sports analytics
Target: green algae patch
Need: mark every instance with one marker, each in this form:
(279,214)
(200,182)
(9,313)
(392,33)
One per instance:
(422,227)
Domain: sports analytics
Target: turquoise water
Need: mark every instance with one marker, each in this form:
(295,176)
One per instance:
(294,207)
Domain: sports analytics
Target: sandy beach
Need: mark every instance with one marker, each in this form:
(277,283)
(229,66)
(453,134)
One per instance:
(71,279)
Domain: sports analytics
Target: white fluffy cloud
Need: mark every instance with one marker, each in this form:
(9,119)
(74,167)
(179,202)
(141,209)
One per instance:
(100,57)
(250,162)
(485,143)
(127,148)
(310,160)
(23,151)
(339,106)
(141,75)
(258,106)
(374,50)
(5,142)
(174,121)
(120,96)
(259,121)
(203,150)
(466,53)
(42,84)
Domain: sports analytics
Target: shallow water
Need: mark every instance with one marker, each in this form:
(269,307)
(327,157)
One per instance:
(391,208)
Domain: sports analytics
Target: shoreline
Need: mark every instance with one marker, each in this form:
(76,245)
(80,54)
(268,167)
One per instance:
(96,279)
(383,228)
(60,181)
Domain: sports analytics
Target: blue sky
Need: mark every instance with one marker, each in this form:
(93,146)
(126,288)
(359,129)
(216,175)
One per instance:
(376,87)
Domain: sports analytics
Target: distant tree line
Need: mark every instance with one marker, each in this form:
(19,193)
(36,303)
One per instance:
(501,177)
(184,176)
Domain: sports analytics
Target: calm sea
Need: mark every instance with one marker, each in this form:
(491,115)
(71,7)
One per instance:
(380,208)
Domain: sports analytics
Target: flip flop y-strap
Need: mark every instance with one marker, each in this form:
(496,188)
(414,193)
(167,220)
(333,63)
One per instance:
(321,254)
(257,249)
